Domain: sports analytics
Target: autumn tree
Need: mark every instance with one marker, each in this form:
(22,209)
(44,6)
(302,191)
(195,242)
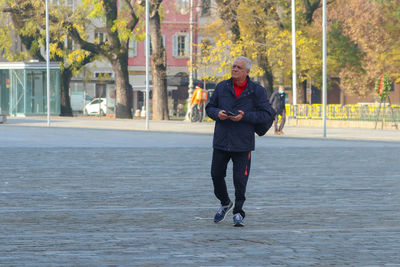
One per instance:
(119,19)
(235,28)
(216,58)
(71,59)
(266,39)
(263,16)
(362,41)
(372,27)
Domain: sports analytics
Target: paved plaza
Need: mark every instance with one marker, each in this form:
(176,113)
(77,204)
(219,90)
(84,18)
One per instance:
(98,196)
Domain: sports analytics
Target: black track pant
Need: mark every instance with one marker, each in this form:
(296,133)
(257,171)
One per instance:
(241,170)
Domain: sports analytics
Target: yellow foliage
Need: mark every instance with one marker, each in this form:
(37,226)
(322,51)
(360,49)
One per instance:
(54,51)
(98,8)
(77,56)
(120,26)
(260,39)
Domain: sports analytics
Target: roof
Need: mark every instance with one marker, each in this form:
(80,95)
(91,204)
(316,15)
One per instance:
(28,65)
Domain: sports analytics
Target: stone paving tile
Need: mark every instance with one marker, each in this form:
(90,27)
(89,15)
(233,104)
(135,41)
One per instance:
(315,203)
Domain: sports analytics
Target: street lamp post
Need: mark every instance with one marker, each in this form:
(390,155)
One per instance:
(294,77)
(48,62)
(324,92)
(147,49)
(190,91)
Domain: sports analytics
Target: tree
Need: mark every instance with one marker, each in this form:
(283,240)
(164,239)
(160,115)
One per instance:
(266,39)
(343,53)
(264,15)
(216,59)
(269,23)
(120,19)
(372,27)
(362,41)
(61,49)
(28,22)
(158,64)
(241,32)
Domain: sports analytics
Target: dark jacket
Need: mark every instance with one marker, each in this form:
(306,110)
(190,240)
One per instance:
(238,136)
(277,102)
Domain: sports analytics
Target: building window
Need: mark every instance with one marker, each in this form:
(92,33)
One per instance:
(180,45)
(182,6)
(100,37)
(103,76)
(132,52)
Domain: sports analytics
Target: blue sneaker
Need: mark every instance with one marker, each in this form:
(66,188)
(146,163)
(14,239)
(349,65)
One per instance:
(238,220)
(222,212)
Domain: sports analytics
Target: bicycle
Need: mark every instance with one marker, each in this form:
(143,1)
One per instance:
(197,104)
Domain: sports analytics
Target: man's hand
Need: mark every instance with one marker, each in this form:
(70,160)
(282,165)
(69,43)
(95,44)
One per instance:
(222,115)
(237,117)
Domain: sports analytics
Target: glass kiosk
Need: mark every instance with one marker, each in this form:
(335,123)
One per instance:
(23,88)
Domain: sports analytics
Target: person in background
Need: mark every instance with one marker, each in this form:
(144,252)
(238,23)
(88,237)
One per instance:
(236,105)
(277,101)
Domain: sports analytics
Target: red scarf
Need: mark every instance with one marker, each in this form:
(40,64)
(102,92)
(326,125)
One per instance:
(239,88)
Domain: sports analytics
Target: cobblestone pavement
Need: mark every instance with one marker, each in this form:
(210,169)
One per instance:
(87,197)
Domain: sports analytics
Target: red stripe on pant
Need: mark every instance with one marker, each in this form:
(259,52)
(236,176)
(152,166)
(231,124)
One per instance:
(245,172)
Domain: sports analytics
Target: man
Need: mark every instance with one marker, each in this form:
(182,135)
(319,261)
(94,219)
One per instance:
(277,101)
(236,106)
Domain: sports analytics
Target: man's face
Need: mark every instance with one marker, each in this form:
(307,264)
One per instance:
(239,71)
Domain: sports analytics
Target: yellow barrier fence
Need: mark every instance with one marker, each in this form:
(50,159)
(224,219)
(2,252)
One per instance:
(345,112)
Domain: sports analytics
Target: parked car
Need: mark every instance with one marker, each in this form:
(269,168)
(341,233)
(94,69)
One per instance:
(97,106)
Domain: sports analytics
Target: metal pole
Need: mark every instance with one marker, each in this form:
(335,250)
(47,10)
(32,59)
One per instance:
(294,77)
(84,92)
(310,91)
(324,89)
(190,92)
(47,63)
(147,64)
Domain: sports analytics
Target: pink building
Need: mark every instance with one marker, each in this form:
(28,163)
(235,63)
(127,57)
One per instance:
(175,33)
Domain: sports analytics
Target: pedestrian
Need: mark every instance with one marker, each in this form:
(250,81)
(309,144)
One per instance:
(236,106)
(277,101)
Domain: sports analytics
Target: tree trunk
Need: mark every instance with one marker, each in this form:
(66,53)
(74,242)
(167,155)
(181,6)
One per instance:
(65,76)
(123,103)
(267,80)
(301,93)
(310,8)
(158,70)
(160,95)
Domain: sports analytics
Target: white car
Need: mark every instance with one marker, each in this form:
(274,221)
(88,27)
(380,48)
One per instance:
(97,106)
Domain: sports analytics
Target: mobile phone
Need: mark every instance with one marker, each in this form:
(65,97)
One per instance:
(231,113)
